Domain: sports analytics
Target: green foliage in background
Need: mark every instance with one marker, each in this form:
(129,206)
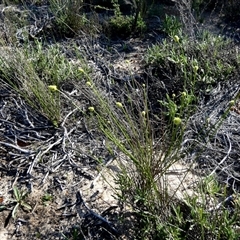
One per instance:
(194,64)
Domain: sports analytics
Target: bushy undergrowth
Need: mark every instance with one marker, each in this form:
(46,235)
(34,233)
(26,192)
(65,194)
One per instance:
(123,26)
(68,17)
(194,64)
(144,162)
(29,71)
(143,157)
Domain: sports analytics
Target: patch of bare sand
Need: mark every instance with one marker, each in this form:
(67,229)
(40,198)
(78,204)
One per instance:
(180,179)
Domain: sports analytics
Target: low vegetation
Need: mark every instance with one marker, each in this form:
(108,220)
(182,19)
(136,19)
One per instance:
(142,125)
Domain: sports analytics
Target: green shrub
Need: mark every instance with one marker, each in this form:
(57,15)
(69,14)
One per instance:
(171,25)
(199,63)
(143,164)
(69,18)
(144,161)
(29,71)
(122,26)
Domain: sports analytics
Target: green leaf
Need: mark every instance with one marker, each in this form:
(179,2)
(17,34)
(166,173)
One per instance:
(27,206)
(17,193)
(2,208)
(15,210)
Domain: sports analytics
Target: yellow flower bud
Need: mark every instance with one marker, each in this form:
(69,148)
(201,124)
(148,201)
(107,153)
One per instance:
(91,109)
(81,70)
(119,104)
(52,88)
(177,121)
(55,123)
(195,68)
(184,94)
(88,83)
(231,103)
(143,113)
(176,38)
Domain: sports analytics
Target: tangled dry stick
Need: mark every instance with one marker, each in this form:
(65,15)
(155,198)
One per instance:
(55,161)
(213,135)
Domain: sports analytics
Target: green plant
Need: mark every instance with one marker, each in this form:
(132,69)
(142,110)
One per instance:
(178,107)
(125,124)
(214,224)
(202,216)
(143,164)
(142,8)
(68,16)
(46,198)
(21,75)
(50,63)
(75,234)
(171,25)
(192,65)
(198,6)
(20,197)
(29,71)
(122,26)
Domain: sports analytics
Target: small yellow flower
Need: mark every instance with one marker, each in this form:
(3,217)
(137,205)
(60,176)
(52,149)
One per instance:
(55,123)
(91,109)
(52,88)
(231,103)
(143,113)
(119,104)
(88,83)
(195,68)
(177,121)
(173,95)
(144,85)
(176,38)
(184,94)
(81,70)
